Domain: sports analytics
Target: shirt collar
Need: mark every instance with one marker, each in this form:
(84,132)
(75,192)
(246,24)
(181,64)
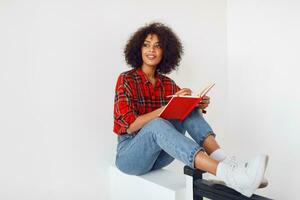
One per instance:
(145,79)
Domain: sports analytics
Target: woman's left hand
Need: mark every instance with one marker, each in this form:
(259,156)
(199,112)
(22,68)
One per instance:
(204,103)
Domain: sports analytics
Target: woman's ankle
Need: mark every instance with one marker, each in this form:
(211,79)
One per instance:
(204,162)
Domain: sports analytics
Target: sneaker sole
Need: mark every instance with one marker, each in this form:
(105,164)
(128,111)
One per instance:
(264,183)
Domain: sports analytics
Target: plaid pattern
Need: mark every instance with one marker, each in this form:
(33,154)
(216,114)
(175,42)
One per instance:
(135,95)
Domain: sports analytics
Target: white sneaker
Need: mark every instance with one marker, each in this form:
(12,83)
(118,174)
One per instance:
(233,161)
(243,177)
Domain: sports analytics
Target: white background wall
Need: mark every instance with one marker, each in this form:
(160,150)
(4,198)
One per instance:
(59,61)
(263,88)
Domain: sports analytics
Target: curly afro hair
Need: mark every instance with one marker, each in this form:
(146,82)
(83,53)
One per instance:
(170,44)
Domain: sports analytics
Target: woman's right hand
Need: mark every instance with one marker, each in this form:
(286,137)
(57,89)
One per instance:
(184,92)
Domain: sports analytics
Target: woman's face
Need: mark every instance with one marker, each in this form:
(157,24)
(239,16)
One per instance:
(151,51)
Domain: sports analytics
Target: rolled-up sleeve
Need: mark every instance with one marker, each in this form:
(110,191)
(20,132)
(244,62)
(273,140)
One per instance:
(124,108)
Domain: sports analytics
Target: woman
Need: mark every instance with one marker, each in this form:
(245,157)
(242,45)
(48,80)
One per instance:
(147,142)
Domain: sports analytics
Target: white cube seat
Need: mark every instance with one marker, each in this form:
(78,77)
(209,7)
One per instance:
(159,184)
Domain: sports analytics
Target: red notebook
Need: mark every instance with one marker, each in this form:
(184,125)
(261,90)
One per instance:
(180,106)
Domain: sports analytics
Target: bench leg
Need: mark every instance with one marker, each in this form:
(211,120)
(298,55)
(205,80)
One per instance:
(196,176)
(196,197)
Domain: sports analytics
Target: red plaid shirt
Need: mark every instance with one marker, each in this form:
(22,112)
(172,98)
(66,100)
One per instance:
(135,96)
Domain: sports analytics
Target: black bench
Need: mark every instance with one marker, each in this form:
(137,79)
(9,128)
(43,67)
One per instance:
(209,189)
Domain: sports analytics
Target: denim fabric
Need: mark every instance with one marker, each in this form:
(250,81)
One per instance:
(160,141)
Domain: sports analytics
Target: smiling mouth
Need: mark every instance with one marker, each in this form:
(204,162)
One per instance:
(151,57)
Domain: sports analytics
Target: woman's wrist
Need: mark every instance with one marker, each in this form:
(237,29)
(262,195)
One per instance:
(160,110)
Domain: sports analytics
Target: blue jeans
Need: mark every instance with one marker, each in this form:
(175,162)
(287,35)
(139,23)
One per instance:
(160,141)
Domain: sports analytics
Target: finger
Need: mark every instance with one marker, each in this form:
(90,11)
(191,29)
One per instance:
(184,91)
(179,92)
(206,98)
(188,90)
(203,106)
(205,102)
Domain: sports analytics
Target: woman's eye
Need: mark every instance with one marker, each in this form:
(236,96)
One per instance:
(158,46)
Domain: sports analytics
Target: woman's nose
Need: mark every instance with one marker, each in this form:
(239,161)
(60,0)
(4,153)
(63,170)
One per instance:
(151,48)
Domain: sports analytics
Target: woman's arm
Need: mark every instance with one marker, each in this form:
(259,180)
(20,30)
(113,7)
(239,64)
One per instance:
(141,120)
